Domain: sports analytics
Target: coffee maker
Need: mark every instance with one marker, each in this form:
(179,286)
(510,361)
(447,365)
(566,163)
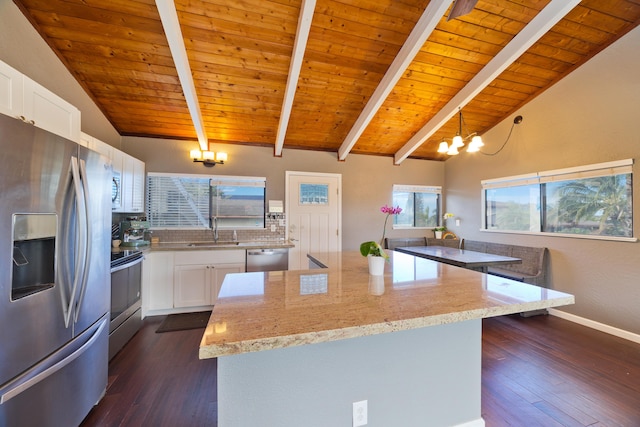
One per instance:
(134,231)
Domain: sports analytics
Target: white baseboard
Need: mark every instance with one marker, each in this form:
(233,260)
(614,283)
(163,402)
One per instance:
(475,423)
(596,325)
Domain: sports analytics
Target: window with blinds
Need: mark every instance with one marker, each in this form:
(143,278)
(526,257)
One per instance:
(420,206)
(192,201)
(238,202)
(590,201)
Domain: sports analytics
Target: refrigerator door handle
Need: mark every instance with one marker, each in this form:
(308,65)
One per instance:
(79,251)
(28,381)
(85,237)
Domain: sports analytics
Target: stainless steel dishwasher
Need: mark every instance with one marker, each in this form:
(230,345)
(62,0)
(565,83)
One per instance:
(267,259)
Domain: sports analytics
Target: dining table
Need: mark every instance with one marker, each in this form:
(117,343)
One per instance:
(479,261)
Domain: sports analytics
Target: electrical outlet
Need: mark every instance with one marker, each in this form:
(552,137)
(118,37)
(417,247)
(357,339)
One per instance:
(273,228)
(360,413)
(457,222)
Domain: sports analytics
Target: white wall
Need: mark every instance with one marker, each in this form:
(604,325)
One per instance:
(591,116)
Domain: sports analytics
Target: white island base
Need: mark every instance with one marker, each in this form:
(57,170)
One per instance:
(420,377)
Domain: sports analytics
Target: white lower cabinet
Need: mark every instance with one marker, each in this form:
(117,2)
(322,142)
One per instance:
(157,282)
(182,280)
(193,285)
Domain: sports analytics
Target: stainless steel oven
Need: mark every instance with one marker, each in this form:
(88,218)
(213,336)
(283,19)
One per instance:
(126,306)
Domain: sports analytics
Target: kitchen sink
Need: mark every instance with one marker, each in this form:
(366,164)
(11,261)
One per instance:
(200,244)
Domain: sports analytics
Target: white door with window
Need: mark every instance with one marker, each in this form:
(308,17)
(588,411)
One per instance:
(314,210)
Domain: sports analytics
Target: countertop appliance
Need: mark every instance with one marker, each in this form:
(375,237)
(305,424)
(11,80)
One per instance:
(134,231)
(126,305)
(54,277)
(267,259)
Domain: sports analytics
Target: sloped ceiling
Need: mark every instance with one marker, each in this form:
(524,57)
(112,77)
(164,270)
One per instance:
(379,77)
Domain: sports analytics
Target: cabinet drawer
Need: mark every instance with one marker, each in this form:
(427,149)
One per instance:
(209,257)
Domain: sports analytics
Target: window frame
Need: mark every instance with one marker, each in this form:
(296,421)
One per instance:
(207,182)
(428,189)
(613,168)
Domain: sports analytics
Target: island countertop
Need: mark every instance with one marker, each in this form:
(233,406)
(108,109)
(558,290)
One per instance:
(269,310)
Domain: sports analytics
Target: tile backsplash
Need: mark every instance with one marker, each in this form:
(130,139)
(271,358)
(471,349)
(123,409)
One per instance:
(258,235)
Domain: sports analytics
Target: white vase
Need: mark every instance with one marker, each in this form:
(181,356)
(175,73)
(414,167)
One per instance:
(376,265)
(438,234)
(376,284)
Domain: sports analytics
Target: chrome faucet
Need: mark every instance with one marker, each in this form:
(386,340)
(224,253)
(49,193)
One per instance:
(215,229)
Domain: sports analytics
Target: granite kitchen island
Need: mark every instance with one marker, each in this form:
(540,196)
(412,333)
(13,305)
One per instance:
(299,347)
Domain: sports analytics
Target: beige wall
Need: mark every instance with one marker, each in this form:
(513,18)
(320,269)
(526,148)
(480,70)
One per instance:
(592,116)
(366,180)
(23,49)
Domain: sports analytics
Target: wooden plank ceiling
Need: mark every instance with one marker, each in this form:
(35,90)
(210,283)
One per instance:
(240,52)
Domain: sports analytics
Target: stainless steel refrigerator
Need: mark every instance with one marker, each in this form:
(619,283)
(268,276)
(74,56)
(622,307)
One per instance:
(55,224)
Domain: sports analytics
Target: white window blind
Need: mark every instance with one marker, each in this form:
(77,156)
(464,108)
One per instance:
(591,171)
(417,189)
(177,201)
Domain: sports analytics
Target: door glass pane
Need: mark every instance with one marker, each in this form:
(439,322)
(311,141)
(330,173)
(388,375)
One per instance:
(314,194)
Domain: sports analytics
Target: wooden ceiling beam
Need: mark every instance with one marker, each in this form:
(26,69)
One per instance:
(419,35)
(299,47)
(171,25)
(538,26)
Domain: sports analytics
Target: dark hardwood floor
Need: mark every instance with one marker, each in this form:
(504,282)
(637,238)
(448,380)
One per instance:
(537,371)
(157,380)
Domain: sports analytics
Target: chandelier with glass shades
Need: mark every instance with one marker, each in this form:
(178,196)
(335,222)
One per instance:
(459,141)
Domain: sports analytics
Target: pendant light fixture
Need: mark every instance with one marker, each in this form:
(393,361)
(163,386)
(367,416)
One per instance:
(459,141)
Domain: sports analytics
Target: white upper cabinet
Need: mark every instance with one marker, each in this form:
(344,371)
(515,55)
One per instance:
(48,111)
(130,171)
(137,186)
(10,91)
(132,184)
(31,102)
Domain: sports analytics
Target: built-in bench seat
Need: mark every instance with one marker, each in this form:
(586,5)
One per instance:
(450,243)
(534,261)
(398,242)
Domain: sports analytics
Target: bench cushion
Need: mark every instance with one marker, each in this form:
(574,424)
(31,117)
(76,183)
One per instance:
(534,261)
(404,241)
(450,243)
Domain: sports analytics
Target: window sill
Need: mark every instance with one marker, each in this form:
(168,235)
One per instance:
(570,236)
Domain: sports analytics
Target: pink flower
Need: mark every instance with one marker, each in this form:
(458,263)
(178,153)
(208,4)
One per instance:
(389,210)
(375,248)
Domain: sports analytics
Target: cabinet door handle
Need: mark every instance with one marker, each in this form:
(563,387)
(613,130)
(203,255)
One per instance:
(24,119)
